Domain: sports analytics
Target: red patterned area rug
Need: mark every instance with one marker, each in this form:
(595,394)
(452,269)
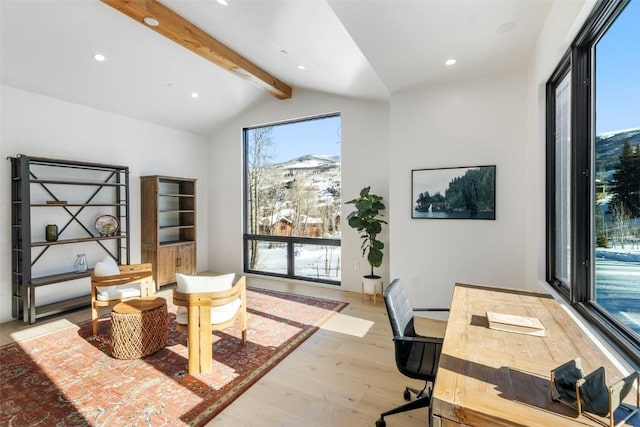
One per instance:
(68,378)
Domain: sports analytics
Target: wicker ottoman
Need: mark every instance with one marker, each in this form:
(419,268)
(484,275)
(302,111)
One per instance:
(138,327)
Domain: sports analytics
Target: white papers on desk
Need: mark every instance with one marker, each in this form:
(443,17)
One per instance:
(517,324)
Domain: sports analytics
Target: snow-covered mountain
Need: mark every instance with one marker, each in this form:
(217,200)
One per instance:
(310,161)
(313,170)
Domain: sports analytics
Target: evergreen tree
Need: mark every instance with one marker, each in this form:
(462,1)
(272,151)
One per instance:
(626,180)
(422,204)
(472,192)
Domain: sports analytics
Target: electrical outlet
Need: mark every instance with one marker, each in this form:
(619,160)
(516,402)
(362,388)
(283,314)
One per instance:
(413,282)
(357,266)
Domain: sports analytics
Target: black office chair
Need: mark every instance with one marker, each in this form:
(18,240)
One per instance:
(417,356)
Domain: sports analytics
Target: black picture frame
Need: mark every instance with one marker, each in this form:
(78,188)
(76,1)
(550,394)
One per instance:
(464,192)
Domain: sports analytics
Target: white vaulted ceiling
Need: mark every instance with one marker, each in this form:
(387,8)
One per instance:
(359,48)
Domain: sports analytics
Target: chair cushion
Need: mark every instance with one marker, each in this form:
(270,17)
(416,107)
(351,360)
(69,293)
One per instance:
(109,293)
(218,314)
(106,267)
(192,284)
(109,267)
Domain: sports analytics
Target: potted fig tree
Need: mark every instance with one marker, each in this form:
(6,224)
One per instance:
(366,219)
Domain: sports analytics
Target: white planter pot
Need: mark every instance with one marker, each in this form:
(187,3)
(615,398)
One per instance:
(372,286)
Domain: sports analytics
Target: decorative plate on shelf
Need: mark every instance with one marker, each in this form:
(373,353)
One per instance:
(107,225)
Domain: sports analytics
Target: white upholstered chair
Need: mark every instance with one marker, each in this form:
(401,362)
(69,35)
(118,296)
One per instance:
(206,304)
(112,283)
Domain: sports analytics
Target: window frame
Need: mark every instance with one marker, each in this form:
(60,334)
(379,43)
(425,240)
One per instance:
(290,241)
(563,69)
(579,60)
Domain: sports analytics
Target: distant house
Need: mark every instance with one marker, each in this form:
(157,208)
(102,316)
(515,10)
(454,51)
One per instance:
(279,224)
(311,226)
(283,228)
(282,224)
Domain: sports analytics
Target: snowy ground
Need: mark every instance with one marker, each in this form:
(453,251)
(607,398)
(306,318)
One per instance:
(631,254)
(313,261)
(617,286)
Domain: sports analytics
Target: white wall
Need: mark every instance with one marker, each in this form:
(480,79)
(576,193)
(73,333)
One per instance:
(462,123)
(365,136)
(41,126)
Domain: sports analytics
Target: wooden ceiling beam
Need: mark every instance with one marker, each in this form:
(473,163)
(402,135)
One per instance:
(183,32)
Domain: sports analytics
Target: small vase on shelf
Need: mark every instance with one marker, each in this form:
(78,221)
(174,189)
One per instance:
(80,266)
(51,232)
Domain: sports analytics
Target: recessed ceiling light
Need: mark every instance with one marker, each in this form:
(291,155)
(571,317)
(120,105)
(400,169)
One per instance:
(222,2)
(99,57)
(152,22)
(302,67)
(194,94)
(450,61)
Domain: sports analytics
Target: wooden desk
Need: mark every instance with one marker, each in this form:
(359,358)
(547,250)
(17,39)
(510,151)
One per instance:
(494,378)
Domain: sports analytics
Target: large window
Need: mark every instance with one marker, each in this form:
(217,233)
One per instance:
(292,199)
(593,173)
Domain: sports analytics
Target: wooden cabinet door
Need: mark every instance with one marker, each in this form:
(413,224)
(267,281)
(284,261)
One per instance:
(176,259)
(167,257)
(186,262)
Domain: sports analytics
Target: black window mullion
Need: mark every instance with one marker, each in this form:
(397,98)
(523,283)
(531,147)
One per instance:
(559,74)
(290,259)
(550,185)
(581,137)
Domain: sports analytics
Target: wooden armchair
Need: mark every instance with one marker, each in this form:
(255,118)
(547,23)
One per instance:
(112,284)
(206,304)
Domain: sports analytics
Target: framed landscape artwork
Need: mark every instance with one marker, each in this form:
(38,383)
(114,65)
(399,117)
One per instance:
(454,193)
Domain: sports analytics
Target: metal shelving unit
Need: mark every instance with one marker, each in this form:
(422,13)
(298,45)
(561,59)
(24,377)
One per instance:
(27,173)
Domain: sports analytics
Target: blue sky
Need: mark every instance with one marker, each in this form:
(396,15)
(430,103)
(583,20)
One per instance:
(618,73)
(319,136)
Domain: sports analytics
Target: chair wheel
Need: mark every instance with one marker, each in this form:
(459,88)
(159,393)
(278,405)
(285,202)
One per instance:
(407,395)
(381,423)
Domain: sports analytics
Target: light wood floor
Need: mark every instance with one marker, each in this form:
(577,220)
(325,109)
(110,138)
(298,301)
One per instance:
(343,375)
